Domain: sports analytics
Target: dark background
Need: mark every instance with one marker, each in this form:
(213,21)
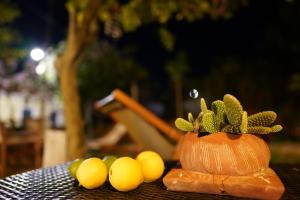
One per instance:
(254,55)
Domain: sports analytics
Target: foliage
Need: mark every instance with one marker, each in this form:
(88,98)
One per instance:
(8,36)
(126,16)
(167,39)
(228,116)
(104,68)
(178,67)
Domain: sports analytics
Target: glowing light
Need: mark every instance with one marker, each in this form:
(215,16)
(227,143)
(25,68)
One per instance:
(41,68)
(37,54)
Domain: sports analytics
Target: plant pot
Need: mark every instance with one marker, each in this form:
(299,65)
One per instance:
(224,154)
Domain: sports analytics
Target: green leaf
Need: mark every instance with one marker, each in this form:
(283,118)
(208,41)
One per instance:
(167,39)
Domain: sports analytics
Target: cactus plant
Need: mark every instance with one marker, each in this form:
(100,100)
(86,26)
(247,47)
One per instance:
(233,109)
(218,108)
(265,118)
(259,129)
(276,128)
(209,123)
(184,125)
(228,116)
(244,123)
(228,129)
(203,105)
(191,118)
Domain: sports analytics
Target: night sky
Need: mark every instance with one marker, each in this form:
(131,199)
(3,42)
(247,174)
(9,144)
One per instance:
(247,34)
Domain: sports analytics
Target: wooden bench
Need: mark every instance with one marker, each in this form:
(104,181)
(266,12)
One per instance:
(144,127)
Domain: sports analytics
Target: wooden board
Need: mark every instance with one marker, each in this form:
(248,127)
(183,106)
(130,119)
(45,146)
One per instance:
(144,127)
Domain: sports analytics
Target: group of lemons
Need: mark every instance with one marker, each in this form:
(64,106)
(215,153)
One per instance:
(124,173)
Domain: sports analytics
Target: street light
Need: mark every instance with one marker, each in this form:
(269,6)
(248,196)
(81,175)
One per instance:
(37,54)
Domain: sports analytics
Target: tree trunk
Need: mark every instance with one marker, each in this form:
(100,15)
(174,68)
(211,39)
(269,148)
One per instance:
(72,112)
(80,33)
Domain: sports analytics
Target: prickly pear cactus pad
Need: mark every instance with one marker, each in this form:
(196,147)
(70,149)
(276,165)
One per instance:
(228,116)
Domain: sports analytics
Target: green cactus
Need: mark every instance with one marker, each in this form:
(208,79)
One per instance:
(184,125)
(233,110)
(259,130)
(218,108)
(228,116)
(265,118)
(231,129)
(191,118)
(209,123)
(228,129)
(244,123)
(276,128)
(197,125)
(203,105)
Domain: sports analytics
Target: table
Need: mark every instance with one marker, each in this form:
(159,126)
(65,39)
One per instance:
(56,183)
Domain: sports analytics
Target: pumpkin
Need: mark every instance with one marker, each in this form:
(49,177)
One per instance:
(224,154)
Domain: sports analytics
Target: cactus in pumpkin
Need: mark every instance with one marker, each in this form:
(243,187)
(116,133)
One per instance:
(203,106)
(265,118)
(184,125)
(244,123)
(228,116)
(209,122)
(218,108)
(233,109)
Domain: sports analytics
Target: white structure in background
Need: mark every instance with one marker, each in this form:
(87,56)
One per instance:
(16,104)
(46,68)
(13,105)
(5,110)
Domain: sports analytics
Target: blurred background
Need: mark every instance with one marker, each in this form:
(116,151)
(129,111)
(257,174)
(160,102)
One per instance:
(57,58)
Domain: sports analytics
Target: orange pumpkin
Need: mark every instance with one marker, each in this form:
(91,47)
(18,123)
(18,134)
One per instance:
(224,153)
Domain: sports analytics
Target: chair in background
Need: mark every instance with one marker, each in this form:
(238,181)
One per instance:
(31,135)
(145,128)
(35,127)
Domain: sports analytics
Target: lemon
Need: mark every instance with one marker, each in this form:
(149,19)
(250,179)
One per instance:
(125,174)
(109,160)
(91,173)
(74,166)
(152,165)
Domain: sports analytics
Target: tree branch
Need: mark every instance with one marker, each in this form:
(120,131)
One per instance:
(78,34)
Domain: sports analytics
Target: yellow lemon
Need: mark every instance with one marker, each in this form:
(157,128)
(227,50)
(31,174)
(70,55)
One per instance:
(152,165)
(91,173)
(125,174)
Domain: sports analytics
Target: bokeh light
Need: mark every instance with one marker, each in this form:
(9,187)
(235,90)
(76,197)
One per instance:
(37,54)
